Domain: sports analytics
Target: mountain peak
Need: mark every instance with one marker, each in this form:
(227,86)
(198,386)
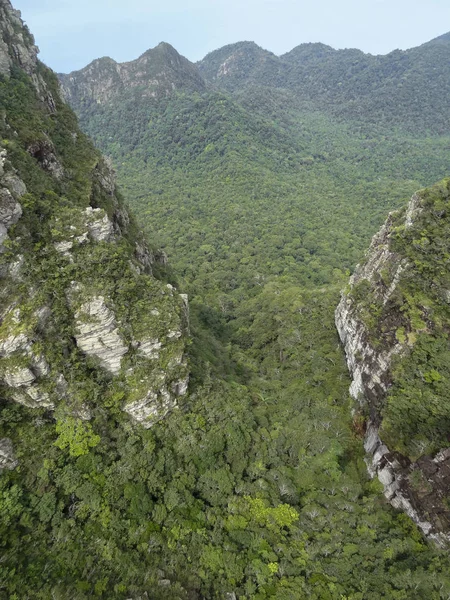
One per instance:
(308,51)
(156,73)
(237,62)
(162,48)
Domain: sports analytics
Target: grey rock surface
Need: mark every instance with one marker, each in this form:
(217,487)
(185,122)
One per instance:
(370,368)
(100,227)
(7,456)
(98,335)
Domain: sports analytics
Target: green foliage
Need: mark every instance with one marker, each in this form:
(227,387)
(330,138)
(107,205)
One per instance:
(257,485)
(75,435)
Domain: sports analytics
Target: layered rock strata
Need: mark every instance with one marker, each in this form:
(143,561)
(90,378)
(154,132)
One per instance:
(370,357)
(83,320)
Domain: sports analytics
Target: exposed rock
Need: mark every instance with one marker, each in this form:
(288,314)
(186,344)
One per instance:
(19,377)
(174,334)
(82,412)
(15,267)
(180,387)
(99,225)
(11,189)
(13,343)
(152,408)
(7,457)
(157,73)
(144,257)
(17,48)
(105,175)
(5,61)
(63,247)
(33,397)
(10,209)
(78,313)
(150,348)
(15,185)
(98,335)
(413,210)
(370,367)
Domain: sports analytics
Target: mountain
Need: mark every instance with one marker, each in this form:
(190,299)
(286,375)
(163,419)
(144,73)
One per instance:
(157,73)
(394,323)
(52,282)
(238,64)
(404,89)
(407,89)
(265,130)
(115,482)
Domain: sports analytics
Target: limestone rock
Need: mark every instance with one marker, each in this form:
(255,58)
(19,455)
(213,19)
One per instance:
(13,343)
(151,408)
(17,48)
(369,365)
(180,388)
(12,188)
(19,377)
(85,310)
(7,457)
(63,247)
(150,348)
(33,397)
(98,335)
(10,209)
(100,227)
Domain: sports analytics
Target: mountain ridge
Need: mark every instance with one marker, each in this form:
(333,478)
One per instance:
(347,83)
(155,73)
(256,488)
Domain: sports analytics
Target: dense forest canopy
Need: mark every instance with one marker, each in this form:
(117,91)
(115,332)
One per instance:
(264,201)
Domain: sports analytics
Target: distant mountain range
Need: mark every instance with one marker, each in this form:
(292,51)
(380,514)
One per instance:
(407,88)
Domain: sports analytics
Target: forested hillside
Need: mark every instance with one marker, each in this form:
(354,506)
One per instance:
(403,89)
(256,486)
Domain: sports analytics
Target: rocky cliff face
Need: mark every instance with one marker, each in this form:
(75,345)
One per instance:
(84,323)
(393,323)
(157,73)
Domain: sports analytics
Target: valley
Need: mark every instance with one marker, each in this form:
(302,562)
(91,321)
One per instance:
(259,182)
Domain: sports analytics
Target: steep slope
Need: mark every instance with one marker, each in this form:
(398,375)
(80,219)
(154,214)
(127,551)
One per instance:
(211,154)
(72,262)
(394,322)
(257,487)
(235,65)
(405,89)
(157,73)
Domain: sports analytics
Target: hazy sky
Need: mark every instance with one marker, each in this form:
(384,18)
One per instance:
(71,33)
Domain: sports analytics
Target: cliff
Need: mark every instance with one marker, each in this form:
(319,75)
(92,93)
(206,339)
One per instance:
(85,325)
(157,73)
(393,321)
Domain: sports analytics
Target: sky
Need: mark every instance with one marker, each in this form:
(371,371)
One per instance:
(72,33)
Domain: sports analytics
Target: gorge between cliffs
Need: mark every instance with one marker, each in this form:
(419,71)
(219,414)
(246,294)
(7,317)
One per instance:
(213,385)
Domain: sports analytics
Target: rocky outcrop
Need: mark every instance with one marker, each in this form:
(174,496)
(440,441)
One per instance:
(97,334)
(16,45)
(99,226)
(369,331)
(82,319)
(157,73)
(7,457)
(17,48)
(12,188)
(44,152)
